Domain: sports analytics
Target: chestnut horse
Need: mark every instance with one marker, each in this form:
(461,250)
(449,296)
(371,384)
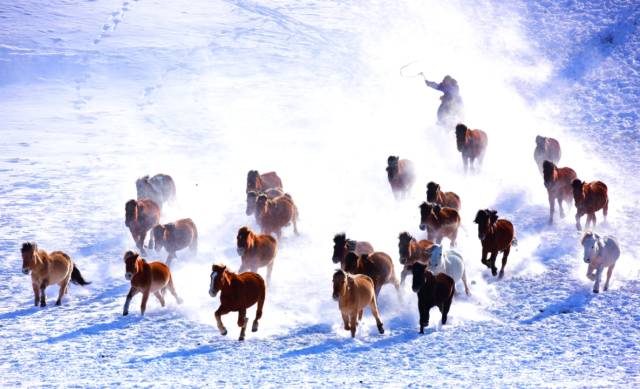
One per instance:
(547,149)
(256,251)
(252,195)
(600,252)
(495,235)
(443,199)
(354,293)
(376,265)
(238,293)
(401,176)
(261,182)
(432,291)
(175,236)
(49,269)
(589,199)
(342,245)
(146,278)
(558,183)
(412,251)
(140,217)
(472,144)
(159,188)
(439,222)
(273,215)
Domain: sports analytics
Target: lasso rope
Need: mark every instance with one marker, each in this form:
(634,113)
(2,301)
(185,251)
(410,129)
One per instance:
(402,74)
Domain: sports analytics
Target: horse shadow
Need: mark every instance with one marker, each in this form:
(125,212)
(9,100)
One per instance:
(200,350)
(20,313)
(575,302)
(96,329)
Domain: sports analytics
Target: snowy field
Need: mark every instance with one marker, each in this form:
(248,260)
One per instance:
(94,94)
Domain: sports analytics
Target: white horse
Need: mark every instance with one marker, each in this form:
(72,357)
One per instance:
(449,263)
(600,252)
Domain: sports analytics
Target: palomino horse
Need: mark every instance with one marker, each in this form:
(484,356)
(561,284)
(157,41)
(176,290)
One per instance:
(558,183)
(238,293)
(449,263)
(472,144)
(140,217)
(600,252)
(412,251)
(175,236)
(443,199)
(547,149)
(261,182)
(589,199)
(401,175)
(376,265)
(439,222)
(252,196)
(496,235)
(432,291)
(272,215)
(342,245)
(354,293)
(256,251)
(146,278)
(49,269)
(159,188)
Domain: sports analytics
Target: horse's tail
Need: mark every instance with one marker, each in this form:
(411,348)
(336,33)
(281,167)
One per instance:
(77,278)
(194,242)
(514,242)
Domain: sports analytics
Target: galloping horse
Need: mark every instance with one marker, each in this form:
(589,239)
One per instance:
(159,188)
(589,199)
(472,144)
(140,217)
(600,252)
(496,235)
(558,183)
(412,251)
(175,236)
(252,196)
(432,291)
(376,265)
(256,251)
(439,222)
(342,246)
(443,199)
(262,182)
(401,176)
(354,293)
(273,215)
(238,293)
(547,149)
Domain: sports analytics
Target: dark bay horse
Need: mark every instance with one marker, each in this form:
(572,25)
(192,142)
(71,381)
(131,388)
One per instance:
(175,236)
(590,198)
(342,246)
(472,144)
(558,183)
(496,235)
(432,291)
(140,217)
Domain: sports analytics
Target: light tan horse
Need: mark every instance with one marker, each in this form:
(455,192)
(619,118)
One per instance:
(49,269)
(354,293)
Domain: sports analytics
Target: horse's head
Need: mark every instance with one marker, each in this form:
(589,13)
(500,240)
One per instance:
(350,262)
(219,278)
(435,258)
(404,247)
(159,233)
(578,190)
(485,219)
(418,270)
(244,240)
(130,212)
(590,243)
(262,202)
(461,136)
(28,252)
(427,210)
(252,180)
(252,196)
(548,172)
(339,283)
(432,191)
(142,187)
(340,247)
(132,264)
(541,142)
(392,166)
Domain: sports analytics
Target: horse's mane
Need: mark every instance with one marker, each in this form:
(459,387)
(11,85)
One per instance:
(340,238)
(406,235)
(29,246)
(547,171)
(432,190)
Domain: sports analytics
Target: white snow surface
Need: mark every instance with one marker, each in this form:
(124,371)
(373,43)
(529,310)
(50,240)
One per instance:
(94,94)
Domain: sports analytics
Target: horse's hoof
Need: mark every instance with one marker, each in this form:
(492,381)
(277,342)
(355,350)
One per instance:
(605,288)
(421,331)
(501,274)
(254,328)
(347,328)
(381,329)
(241,338)
(494,272)
(125,313)
(223,332)
(596,291)
(43,304)
(58,303)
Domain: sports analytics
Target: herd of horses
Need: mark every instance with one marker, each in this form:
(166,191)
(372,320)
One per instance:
(363,271)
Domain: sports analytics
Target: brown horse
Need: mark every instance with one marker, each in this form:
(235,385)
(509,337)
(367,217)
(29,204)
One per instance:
(238,293)
(558,183)
(261,182)
(589,199)
(273,215)
(376,265)
(175,236)
(472,144)
(146,278)
(439,222)
(252,196)
(495,235)
(159,188)
(412,251)
(256,251)
(140,217)
(354,293)
(342,245)
(49,269)
(444,199)
(547,149)
(401,175)
(432,291)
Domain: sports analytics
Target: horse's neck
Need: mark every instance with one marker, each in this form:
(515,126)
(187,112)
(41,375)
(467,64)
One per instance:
(40,257)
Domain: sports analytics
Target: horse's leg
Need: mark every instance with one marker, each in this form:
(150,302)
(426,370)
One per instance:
(464,281)
(242,322)
(172,289)
(593,220)
(132,292)
(143,304)
(63,288)
(424,315)
(36,293)
(360,313)
(353,322)
(345,320)
(143,236)
(578,216)
(505,255)
(269,270)
(445,310)
(590,274)
(492,262)
(464,163)
(376,314)
(560,206)
(403,274)
(170,257)
(159,297)
(219,312)
(454,237)
(596,286)
(605,210)
(43,297)
(552,202)
(485,252)
(609,272)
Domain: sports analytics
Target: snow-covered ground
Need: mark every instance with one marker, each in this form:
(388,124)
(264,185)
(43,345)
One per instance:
(94,94)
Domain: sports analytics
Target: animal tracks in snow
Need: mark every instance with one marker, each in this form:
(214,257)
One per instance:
(114,20)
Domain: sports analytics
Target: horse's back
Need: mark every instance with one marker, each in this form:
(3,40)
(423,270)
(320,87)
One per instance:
(365,288)
(250,289)
(381,266)
(271,180)
(612,248)
(160,273)
(60,265)
(363,247)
